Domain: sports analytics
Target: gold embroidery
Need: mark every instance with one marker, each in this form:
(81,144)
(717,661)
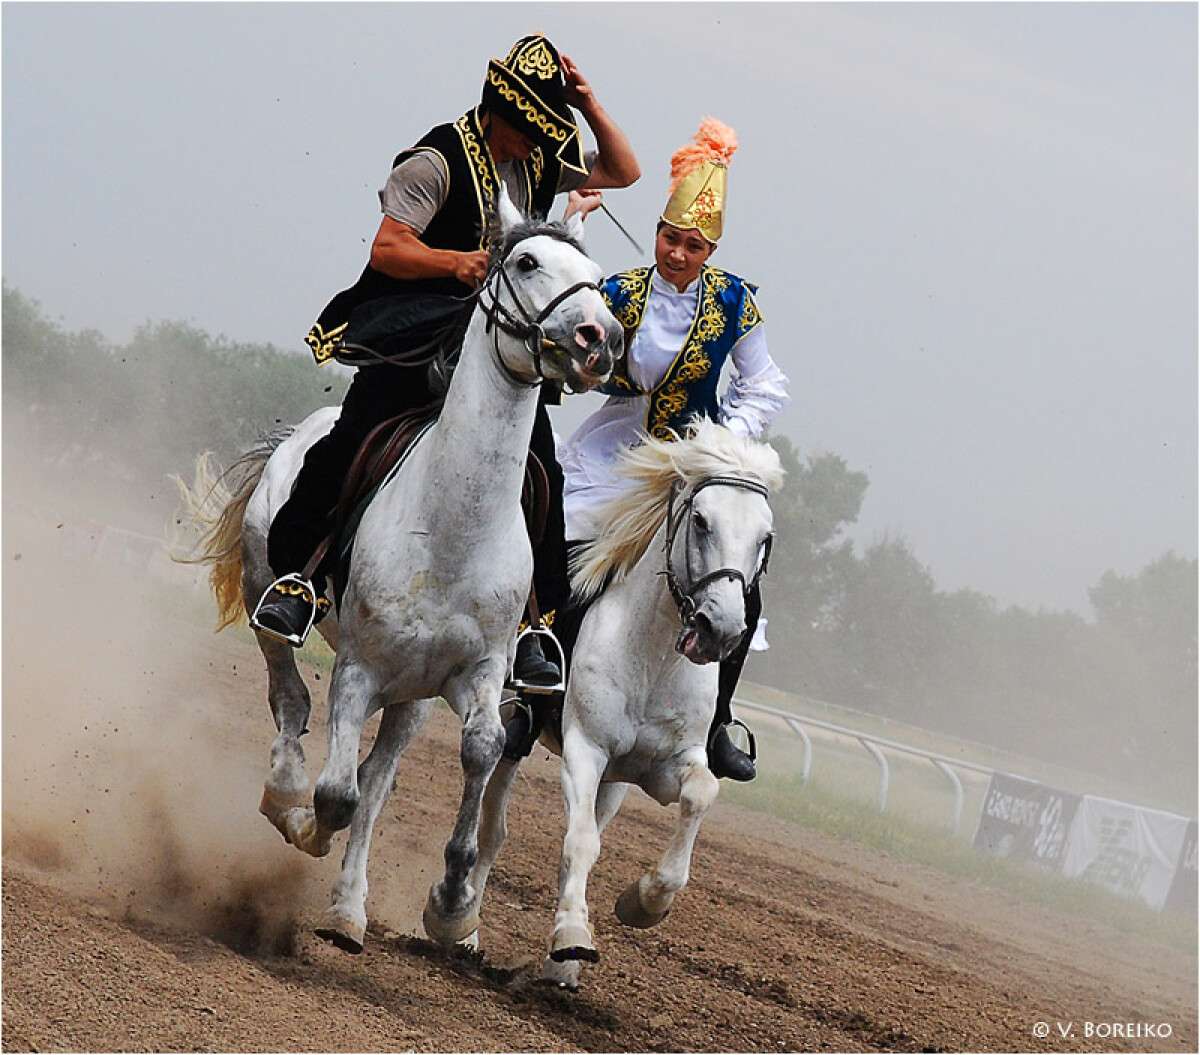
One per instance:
(537,60)
(538,160)
(479,161)
(636,284)
(670,398)
(324,345)
(750,316)
(531,110)
(703,209)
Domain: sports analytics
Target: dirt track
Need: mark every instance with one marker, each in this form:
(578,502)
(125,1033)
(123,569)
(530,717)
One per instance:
(148,907)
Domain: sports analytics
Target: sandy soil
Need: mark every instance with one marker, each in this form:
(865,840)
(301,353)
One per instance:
(147,906)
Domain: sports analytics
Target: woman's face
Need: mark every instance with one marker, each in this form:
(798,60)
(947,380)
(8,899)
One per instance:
(680,254)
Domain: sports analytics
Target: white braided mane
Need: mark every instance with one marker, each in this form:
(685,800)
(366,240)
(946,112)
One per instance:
(630,522)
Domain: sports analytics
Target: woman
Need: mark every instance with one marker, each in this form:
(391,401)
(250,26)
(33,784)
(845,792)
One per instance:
(683,320)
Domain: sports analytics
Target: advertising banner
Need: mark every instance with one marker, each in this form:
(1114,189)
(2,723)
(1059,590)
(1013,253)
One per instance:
(1025,820)
(1128,849)
(1182,895)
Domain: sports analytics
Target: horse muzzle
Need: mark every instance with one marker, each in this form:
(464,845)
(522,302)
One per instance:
(701,641)
(590,358)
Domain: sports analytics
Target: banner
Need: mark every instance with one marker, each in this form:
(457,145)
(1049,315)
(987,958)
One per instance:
(1025,820)
(1182,895)
(1128,849)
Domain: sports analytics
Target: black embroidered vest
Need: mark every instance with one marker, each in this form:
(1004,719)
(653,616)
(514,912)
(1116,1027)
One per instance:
(460,225)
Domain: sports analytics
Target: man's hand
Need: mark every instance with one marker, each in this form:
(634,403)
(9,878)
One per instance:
(471,268)
(616,164)
(578,93)
(583,202)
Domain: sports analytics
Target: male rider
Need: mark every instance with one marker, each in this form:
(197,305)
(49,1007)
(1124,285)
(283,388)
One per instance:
(429,254)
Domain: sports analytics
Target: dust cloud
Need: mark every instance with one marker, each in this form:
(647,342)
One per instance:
(126,777)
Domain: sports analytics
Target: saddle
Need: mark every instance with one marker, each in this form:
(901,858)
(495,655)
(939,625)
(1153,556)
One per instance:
(380,455)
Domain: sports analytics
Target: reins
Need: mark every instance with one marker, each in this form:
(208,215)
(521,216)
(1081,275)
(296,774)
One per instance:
(685,599)
(525,326)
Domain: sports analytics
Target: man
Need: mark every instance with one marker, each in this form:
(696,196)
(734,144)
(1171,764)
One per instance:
(430,253)
(683,320)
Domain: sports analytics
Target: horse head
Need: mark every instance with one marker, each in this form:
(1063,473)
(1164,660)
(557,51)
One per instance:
(542,298)
(719,535)
(708,493)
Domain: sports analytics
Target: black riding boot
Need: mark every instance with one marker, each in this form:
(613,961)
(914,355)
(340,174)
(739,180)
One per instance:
(724,758)
(287,612)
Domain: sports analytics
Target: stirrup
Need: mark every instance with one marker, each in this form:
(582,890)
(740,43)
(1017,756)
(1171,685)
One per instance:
(539,690)
(753,752)
(302,586)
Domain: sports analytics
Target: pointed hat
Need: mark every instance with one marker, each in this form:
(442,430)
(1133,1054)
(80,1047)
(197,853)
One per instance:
(698,180)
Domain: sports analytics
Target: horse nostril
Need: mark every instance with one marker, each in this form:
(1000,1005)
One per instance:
(589,334)
(703,624)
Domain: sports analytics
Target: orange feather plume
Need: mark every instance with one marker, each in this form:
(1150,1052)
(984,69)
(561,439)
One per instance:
(715,141)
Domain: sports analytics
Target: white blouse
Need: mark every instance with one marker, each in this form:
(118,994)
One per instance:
(757,391)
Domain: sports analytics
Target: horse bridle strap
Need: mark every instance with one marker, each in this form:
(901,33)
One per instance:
(685,599)
(526,327)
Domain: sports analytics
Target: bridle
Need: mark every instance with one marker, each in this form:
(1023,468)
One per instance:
(525,326)
(685,598)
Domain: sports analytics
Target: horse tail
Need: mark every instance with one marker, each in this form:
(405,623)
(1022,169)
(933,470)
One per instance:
(215,505)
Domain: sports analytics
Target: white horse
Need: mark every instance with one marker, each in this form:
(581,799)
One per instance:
(439,577)
(671,566)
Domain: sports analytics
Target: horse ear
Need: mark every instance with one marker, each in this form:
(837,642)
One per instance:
(508,214)
(575,227)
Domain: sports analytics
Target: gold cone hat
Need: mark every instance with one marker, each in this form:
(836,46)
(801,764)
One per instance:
(699,175)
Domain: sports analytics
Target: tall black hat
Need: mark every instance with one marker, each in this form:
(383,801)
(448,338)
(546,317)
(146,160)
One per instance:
(528,90)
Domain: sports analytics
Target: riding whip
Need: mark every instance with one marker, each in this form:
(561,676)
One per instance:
(621,228)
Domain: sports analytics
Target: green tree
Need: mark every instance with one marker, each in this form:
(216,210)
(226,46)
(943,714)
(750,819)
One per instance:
(811,563)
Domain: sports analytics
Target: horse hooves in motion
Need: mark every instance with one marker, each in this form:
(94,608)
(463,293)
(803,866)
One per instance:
(439,578)
(630,910)
(340,928)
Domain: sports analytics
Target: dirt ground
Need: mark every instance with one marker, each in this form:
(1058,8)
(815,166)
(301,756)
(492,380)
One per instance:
(147,906)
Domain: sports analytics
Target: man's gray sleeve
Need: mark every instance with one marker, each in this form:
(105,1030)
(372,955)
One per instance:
(569,179)
(416,190)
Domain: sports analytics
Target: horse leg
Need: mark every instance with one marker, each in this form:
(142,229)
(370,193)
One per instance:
(451,911)
(646,902)
(608,800)
(352,699)
(583,765)
(493,830)
(286,786)
(345,921)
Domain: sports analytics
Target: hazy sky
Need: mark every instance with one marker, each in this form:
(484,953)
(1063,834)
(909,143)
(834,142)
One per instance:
(974,225)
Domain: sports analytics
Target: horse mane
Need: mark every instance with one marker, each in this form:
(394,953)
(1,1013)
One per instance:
(629,522)
(503,241)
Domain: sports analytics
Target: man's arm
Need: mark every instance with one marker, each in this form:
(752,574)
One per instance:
(616,164)
(398,252)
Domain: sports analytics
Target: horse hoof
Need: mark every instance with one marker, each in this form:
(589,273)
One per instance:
(274,804)
(564,975)
(632,913)
(301,830)
(448,931)
(340,929)
(573,943)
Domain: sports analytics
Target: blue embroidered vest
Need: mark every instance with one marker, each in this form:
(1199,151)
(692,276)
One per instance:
(725,313)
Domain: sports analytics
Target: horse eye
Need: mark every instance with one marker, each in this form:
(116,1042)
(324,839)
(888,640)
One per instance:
(526,263)
(699,521)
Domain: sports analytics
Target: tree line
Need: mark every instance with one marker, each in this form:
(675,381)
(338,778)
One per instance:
(867,630)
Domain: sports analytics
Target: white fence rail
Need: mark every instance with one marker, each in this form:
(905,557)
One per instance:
(874,746)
